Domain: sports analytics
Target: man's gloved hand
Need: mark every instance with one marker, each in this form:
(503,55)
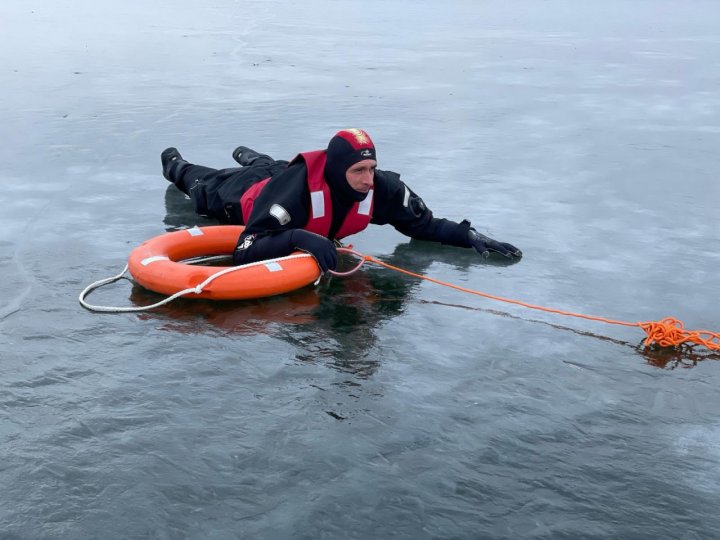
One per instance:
(318,246)
(485,246)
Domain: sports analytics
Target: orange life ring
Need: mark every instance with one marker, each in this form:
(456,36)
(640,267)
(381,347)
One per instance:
(157,265)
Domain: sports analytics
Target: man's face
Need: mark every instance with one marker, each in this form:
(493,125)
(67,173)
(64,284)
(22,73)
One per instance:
(361,175)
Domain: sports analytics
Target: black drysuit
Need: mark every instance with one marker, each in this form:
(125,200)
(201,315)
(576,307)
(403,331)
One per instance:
(216,194)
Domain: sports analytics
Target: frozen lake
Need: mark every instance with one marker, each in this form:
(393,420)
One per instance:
(376,406)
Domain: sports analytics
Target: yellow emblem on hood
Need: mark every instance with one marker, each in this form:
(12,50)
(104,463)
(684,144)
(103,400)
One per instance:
(360,136)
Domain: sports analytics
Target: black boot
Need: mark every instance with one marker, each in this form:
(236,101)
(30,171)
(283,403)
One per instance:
(170,159)
(246,156)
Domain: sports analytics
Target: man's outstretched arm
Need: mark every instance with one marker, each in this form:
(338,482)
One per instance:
(399,206)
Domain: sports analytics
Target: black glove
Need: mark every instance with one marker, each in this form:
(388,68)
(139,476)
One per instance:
(484,246)
(318,246)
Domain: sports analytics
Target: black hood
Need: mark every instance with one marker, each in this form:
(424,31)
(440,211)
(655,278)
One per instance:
(346,148)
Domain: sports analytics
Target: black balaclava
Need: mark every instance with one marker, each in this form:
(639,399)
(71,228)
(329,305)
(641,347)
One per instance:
(346,148)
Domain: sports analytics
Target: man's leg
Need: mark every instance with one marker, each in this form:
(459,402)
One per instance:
(247,156)
(198,182)
(216,193)
(180,172)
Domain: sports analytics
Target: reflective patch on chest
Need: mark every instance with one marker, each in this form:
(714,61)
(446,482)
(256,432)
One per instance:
(279,213)
(317,201)
(366,204)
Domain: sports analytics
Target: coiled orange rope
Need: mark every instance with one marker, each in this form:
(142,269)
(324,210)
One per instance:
(668,332)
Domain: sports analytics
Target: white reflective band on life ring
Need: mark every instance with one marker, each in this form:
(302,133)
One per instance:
(195,231)
(274,267)
(156,258)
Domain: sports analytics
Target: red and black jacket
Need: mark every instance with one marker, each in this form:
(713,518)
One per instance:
(273,207)
(321,209)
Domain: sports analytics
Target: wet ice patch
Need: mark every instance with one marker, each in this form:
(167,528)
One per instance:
(700,440)
(700,445)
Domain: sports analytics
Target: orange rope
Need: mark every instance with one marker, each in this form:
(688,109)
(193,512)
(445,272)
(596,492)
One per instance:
(667,332)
